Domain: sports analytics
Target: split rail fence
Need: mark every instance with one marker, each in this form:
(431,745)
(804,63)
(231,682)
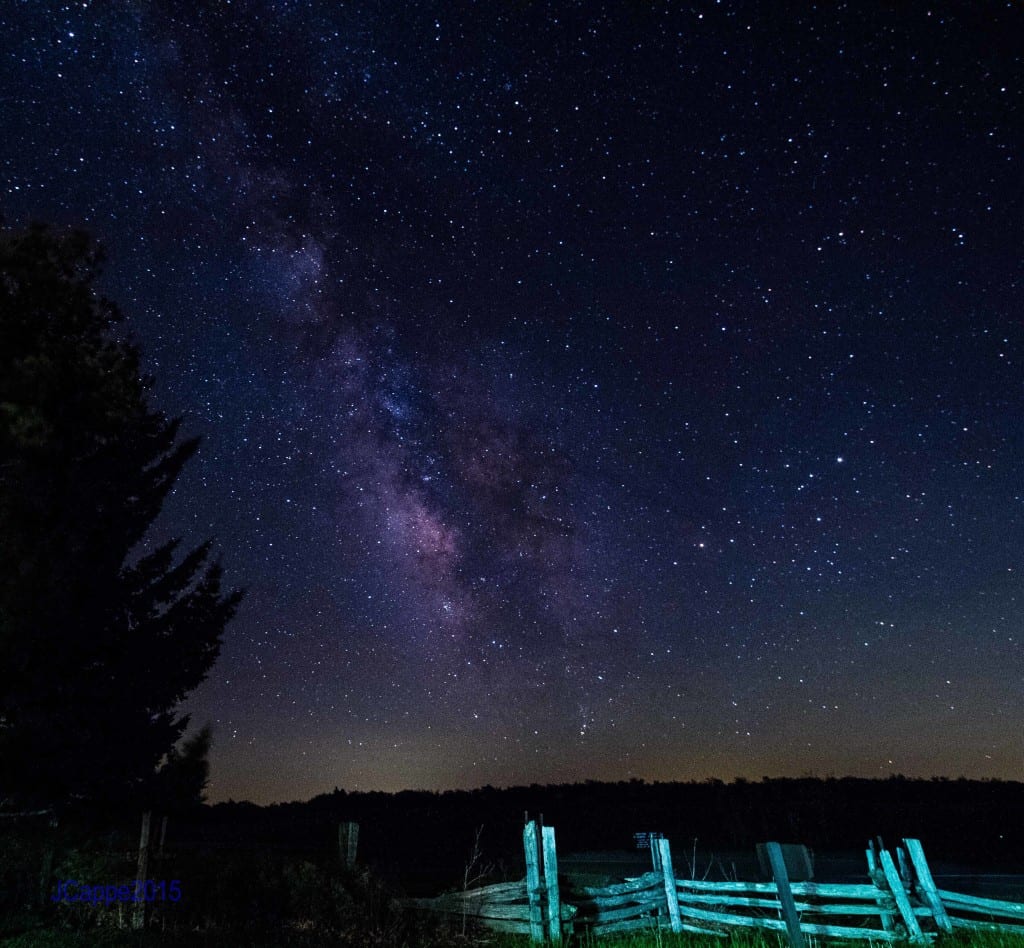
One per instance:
(899,902)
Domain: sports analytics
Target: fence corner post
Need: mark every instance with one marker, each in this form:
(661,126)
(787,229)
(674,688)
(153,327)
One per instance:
(533,889)
(348,842)
(142,868)
(789,913)
(655,852)
(554,904)
(669,878)
(926,884)
(895,883)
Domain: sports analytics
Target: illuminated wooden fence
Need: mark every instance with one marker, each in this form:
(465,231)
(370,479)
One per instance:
(899,902)
(531,907)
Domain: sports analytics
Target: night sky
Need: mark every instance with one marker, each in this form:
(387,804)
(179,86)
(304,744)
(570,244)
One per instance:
(588,390)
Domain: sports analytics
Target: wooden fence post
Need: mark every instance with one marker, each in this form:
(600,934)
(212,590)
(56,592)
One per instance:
(669,878)
(533,890)
(551,885)
(46,873)
(926,884)
(655,852)
(348,840)
(139,912)
(789,913)
(892,877)
(884,898)
(903,866)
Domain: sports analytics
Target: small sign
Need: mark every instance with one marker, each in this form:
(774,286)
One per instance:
(643,840)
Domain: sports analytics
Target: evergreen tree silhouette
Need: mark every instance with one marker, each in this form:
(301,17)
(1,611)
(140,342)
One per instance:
(99,643)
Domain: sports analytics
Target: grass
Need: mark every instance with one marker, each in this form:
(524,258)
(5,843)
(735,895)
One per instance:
(151,939)
(246,900)
(65,939)
(753,940)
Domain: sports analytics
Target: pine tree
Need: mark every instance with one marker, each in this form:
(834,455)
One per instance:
(181,781)
(98,643)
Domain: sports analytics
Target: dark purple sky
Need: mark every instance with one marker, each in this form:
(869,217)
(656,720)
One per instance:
(588,390)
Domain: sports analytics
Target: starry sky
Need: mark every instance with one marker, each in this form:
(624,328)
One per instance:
(588,390)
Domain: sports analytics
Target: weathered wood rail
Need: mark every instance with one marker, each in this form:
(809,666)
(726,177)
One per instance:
(531,907)
(897,903)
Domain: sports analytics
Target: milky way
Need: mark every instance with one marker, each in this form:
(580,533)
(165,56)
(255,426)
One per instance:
(587,391)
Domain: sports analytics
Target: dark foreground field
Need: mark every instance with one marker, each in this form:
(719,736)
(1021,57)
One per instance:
(292,903)
(42,939)
(274,875)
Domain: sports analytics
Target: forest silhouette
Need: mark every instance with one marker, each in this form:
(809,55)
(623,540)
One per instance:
(974,822)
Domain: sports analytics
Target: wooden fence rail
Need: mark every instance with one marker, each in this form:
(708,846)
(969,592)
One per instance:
(893,905)
(504,908)
(530,907)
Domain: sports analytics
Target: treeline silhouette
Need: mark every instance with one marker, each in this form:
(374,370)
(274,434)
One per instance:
(420,835)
